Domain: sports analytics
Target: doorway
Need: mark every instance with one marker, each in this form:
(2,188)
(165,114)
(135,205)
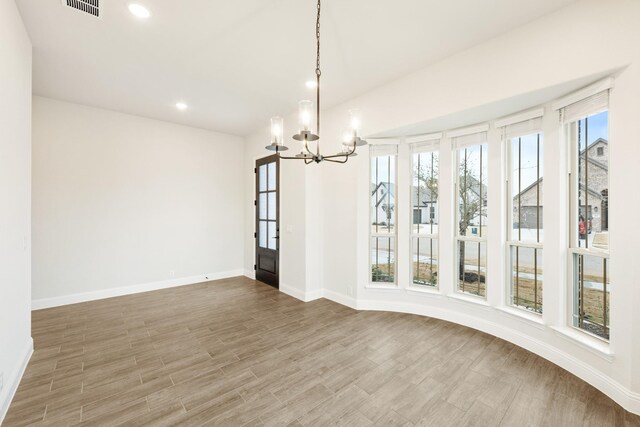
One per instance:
(267,234)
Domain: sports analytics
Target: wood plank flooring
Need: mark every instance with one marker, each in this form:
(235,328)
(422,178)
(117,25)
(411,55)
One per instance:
(236,352)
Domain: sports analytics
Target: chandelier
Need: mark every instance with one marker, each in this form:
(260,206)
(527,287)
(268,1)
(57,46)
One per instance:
(305,134)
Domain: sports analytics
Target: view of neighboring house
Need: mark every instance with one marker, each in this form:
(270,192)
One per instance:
(383,196)
(597,181)
(425,205)
(529,208)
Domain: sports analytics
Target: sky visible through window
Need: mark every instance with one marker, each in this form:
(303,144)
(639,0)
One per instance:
(598,128)
(529,168)
(473,164)
(383,170)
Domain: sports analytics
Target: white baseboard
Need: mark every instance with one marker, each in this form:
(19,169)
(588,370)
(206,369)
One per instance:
(314,295)
(39,304)
(293,292)
(340,298)
(12,381)
(251,274)
(301,295)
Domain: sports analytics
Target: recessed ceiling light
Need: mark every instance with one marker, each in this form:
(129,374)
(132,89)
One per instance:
(139,10)
(311,84)
(181,106)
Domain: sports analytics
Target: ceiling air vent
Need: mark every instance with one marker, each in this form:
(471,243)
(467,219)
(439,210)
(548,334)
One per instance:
(92,7)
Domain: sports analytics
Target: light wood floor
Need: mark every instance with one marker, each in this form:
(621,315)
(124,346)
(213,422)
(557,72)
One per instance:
(236,352)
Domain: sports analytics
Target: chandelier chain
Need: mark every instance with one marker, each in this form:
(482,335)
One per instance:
(318,42)
(318,73)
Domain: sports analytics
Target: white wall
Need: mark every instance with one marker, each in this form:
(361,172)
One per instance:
(15,200)
(572,45)
(121,201)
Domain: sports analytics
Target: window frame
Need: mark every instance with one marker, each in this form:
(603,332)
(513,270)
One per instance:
(417,148)
(511,242)
(484,143)
(574,250)
(371,233)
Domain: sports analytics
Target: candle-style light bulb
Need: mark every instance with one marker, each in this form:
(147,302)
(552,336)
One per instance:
(354,121)
(347,137)
(305,114)
(277,130)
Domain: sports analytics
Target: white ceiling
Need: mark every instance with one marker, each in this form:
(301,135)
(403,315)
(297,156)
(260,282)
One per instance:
(237,63)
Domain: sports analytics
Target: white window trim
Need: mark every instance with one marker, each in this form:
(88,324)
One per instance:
(465,298)
(468,130)
(380,286)
(370,283)
(430,291)
(593,344)
(520,117)
(584,93)
(508,302)
(436,137)
(572,331)
(522,314)
(457,293)
(531,245)
(431,148)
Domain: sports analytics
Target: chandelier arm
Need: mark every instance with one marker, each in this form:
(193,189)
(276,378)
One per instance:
(280,156)
(330,159)
(335,156)
(353,150)
(306,146)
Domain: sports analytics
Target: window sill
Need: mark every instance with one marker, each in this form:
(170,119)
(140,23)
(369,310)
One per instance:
(424,290)
(382,287)
(594,345)
(530,318)
(478,301)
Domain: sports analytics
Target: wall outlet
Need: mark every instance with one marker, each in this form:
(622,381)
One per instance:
(172,273)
